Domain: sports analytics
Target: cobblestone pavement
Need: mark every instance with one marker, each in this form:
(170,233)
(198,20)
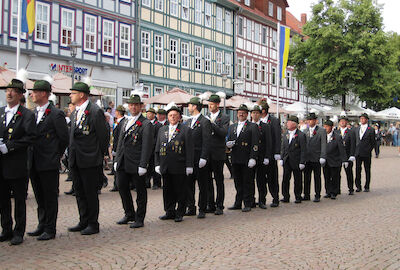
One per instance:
(353,232)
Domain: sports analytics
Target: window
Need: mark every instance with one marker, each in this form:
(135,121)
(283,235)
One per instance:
(1,15)
(274,37)
(146,3)
(124,41)
(218,56)
(256,70)
(248,29)
(90,43)
(271,9)
(42,22)
(197,11)
(108,37)
(172,51)
(207,14)
(263,73)
(240,26)
(247,2)
(173,8)
(158,48)
(67,26)
(264,36)
(197,56)
(158,90)
(14,20)
(228,62)
(228,22)
(159,5)
(294,83)
(185,10)
(288,79)
(185,54)
(239,67)
(273,76)
(145,45)
(219,19)
(207,59)
(257,32)
(248,70)
(279,13)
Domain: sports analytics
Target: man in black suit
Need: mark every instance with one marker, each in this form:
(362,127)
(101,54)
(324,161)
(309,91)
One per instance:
(162,117)
(120,116)
(174,156)
(365,142)
(201,135)
(349,142)
(17,132)
(243,139)
(135,147)
(151,173)
(89,140)
(219,130)
(276,138)
(315,157)
(293,154)
(44,157)
(378,139)
(264,156)
(335,157)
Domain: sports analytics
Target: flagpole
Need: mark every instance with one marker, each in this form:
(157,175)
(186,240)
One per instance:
(18,35)
(278,75)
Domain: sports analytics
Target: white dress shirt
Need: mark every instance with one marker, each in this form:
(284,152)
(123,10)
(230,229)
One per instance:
(265,119)
(214,116)
(162,122)
(291,134)
(132,121)
(312,131)
(329,137)
(172,129)
(194,119)
(342,131)
(41,110)
(10,113)
(363,128)
(80,110)
(239,127)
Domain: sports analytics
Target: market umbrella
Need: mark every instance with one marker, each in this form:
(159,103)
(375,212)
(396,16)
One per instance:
(62,83)
(7,75)
(390,113)
(177,95)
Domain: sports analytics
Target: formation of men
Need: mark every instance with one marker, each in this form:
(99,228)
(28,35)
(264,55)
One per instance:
(174,154)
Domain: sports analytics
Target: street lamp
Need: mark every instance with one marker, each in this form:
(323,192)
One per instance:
(73,48)
(224,75)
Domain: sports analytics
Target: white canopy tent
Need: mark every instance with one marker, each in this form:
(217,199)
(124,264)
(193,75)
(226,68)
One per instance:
(389,114)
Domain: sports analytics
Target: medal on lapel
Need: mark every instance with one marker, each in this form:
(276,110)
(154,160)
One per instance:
(85,130)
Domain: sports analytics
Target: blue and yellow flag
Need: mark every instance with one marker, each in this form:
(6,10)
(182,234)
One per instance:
(284,40)
(28,16)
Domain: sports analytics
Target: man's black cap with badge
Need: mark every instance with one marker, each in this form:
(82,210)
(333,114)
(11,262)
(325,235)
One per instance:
(328,123)
(364,115)
(215,98)
(15,84)
(293,118)
(311,116)
(173,107)
(243,107)
(81,87)
(344,117)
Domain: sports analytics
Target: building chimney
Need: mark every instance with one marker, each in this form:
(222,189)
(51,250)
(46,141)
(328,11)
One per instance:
(303,18)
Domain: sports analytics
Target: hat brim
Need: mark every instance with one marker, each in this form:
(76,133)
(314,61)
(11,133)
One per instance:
(80,90)
(35,89)
(174,109)
(11,86)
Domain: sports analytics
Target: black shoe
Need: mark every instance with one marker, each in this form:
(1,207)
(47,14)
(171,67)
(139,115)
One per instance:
(99,191)
(166,217)
(125,220)
(137,224)
(274,205)
(6,236)
(327,196)
(284,200)
(36,232)
(246,209)
(254,205)
(46,236)
(333,197)
(219,211)
(178,219)
(366,190)
(90,230)
(70,192)
(306,198)
(297,201)
(16,240)
(201,214)
(155,187)
(114,189)
(358,190)
(316,199)
(235,207)
(262,206)
(76,228)
(351,192)
(210,210)
(191,212)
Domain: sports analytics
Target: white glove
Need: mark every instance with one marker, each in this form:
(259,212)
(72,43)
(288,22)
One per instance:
(277,157)
(202,163)
(142,171)
(115,166)
(189,171)
(352,158)
(281,162)
(252,163)
(113,153)
(322,161)
(345,164)
(230,144)
(3,148)
(301,167)
(157,169)
(266,161)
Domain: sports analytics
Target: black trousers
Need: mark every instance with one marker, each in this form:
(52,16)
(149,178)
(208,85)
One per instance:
(19,188)
(86,184)
(332,176)
(126,196)
(314,167)
(228,162)
(297,175)
(349,176)
(201,176)
(174,194)
(259,173)
(244,185)
(367,167)
(377,148)
(272,180)
(151,173)
(45,186)
(216,172)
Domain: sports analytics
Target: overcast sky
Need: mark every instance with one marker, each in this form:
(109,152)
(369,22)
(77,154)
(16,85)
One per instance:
(390,11)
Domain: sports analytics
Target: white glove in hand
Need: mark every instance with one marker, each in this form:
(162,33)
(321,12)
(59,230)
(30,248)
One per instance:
(277,157)
(115,166)
(266,161)
(202,163)
(230,144)
(252,163)
(345,165)
(3,148)
(281,162)
(322,161)
(352,158)
(189,171)
(142,171)
(157,169)
(301,167)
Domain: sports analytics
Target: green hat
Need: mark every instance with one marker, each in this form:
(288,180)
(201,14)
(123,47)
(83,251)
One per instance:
(214,98)
(264,104)
(175,108)
(81,87)
(151,110)
(16,84)
(256,108)
(364,115)
(195,101)
(41,85)
(243,107)
(134,99)
(161,111)
(311,116)
(343,117)
(121,109)
(328,123)
(293,118)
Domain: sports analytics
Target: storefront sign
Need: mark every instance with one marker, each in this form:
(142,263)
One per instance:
(67,69)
